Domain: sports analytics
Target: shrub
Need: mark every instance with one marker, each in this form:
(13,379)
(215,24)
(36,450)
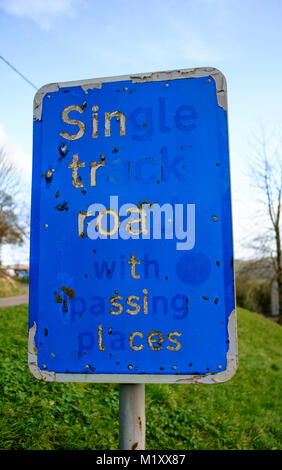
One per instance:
(254,294)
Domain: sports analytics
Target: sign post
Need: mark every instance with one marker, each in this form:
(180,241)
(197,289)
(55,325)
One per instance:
(131,261)
(132,422)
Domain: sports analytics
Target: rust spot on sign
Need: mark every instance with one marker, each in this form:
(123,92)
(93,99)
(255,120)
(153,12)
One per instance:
(62,207)
(141,203)
(49,176)
(70,292)
(140,423)
(59,299)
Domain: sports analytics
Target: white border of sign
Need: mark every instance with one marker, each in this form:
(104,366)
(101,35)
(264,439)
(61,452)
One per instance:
(232,353)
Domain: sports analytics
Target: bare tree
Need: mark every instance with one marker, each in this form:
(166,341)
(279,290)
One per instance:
(11,229)
(266,176)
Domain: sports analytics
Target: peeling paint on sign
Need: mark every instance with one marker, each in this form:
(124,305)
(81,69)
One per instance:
(87,85)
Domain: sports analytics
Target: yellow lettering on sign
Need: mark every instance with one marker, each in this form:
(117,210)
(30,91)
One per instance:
(100,338)
(141,220)
(133,304)
(75,177)
(174,340)
(99,225)
(120,117)
(74,122)
(133,261)
(151,339)
(93,170)
(81,218)
(116,304)
(131,338)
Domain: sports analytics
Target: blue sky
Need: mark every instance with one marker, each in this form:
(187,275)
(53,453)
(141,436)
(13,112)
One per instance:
(65,40)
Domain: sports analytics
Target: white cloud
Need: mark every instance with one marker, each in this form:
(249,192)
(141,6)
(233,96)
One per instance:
(42,12)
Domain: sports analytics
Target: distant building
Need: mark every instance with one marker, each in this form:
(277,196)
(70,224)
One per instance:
(260,270)
(18,271)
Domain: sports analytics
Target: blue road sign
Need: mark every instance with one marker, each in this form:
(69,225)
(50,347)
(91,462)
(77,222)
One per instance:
(131,276)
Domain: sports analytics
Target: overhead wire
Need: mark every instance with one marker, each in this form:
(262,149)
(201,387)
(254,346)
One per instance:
(18,72)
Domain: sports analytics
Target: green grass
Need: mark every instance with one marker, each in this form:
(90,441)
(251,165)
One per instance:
(244,413)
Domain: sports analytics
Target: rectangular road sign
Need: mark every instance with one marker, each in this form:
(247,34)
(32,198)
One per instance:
(131,275)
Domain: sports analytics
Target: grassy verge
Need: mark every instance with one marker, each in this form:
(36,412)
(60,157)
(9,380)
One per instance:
(244,413)
(9,287)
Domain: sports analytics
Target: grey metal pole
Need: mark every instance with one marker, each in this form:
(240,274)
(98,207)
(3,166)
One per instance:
(132,423)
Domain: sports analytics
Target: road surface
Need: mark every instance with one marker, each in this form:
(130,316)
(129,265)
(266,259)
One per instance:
(15,300)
